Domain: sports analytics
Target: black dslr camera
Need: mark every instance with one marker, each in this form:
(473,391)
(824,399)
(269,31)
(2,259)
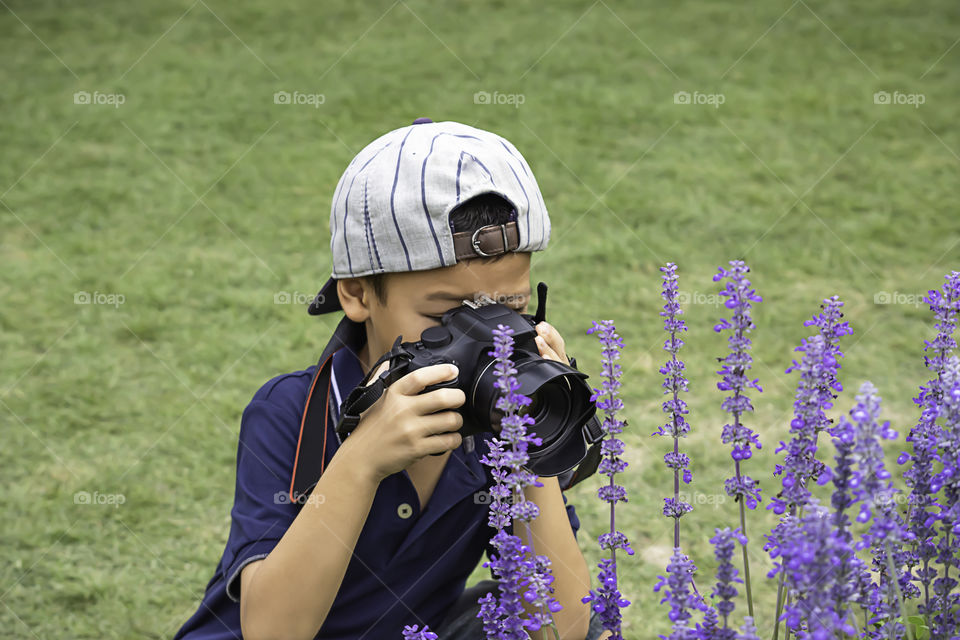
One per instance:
(564,415)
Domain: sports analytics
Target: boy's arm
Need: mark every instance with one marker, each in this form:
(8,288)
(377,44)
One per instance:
(553,537)
(552,534)
(289,593)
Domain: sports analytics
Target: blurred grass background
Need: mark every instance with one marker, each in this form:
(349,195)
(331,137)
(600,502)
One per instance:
(199,199)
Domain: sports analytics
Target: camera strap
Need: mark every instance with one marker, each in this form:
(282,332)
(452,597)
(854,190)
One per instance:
(365,394)
(588,466)
(312,442)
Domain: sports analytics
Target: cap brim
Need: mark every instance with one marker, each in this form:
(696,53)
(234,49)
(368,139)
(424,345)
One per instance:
(325,301)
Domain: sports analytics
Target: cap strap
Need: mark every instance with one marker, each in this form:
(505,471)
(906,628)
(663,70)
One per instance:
(490,240)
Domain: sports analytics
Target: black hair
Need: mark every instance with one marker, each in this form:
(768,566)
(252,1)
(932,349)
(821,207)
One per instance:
(470,215)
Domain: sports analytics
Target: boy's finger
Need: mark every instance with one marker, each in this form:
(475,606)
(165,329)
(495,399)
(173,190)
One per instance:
(443,442)
(439,399)
(415,381)
(443,422)
(545,350)
(550,334)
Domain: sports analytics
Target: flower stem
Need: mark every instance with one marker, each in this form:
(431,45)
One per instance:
(780,603)
(676,487)
(899,594)
(533,554)
(945,598)
(781,600)
(786,629)
(613,529)
(746,560)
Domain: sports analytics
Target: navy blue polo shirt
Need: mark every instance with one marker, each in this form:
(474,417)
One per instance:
(408,566)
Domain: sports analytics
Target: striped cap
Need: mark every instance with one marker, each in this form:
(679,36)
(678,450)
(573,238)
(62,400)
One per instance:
(391,208)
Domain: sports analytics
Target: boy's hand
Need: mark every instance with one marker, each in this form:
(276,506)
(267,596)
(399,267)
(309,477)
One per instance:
(404,425)
(550,343)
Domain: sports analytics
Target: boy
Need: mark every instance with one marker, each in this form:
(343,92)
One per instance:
(359,537)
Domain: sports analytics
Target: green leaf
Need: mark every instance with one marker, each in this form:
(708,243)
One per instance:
(920,629)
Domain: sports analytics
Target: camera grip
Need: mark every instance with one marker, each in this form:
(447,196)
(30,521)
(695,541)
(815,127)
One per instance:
(446,384)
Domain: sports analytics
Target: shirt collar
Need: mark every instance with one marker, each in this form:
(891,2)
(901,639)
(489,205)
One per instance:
(348,335)
(345,374)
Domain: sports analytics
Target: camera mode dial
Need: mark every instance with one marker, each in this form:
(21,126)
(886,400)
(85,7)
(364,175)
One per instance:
(435,337)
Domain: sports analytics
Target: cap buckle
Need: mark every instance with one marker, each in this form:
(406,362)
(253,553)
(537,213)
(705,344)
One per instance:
(475,240)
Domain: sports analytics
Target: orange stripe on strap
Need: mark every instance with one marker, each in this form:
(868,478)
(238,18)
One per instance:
(303,420)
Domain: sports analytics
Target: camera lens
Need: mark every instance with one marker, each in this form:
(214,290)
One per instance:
(559,405)
(535,407)
(550,410)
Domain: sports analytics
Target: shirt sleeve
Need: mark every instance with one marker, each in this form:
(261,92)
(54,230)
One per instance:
(571,515)
(262,511)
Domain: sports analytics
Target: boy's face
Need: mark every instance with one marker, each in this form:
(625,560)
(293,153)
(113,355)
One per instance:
(415,300)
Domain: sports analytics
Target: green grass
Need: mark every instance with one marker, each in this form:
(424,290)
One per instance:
(199,198)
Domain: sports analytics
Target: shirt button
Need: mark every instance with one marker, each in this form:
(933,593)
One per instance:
(404,510)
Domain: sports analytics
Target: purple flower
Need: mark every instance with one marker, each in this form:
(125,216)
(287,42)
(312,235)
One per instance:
(725,589)
(945,304)
(607,600)
(673,383)
(506,564)
(735,365)
(537,593)
(823,576)
(872,488)
(490,616)
(411,633)
(810,552)
(742,488)
(926,436)
(818,380)
(518,576)
(674,508)
(829,325)
(681,597)
(948,618)
(800,465)
(748,631)
(851,578)
(710,629)
(872,476)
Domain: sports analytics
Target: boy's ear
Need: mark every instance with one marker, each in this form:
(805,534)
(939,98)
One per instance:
(355,297)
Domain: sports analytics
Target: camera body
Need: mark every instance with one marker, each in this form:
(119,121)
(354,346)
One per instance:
(464,339)
(562,407)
